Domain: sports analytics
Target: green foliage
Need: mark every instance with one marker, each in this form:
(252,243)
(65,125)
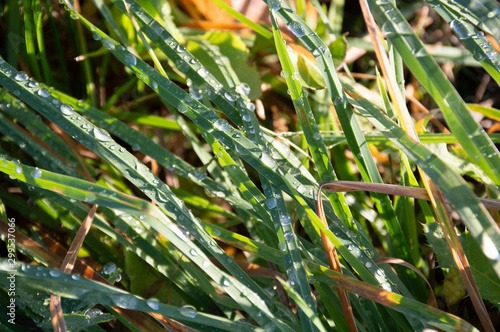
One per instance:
(203,208)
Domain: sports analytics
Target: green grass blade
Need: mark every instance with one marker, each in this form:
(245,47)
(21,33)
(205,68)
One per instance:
(481,50)
(75,287)
(470,135)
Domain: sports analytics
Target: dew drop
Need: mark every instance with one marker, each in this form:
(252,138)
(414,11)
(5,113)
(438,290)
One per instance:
(195,92)
(317,136)
(193,252)
(37,173)
(215,232)
(221,125)
(460,29)
(188,311)
(153,303)
(203,72)
(108,44)
(271,202)
(21,76)
(228,96)
(67,109)
(96,36)
(124,301)
(101,134)
(276,5)
(130,59)
(44,93)
(288,236)
(55,273)
(244,88)
(283,246)
(386,286)
(182,107)
(225,282)
(109,268)
(285,220)
(296,28)
(94,312)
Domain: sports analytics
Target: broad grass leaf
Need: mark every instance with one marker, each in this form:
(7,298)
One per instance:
(338,48)
(309,72)
(233,47)
(487,281)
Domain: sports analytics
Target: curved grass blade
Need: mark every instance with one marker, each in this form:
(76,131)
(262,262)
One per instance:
(407,306)
(481,50)
(318,326)
(468,132)
(72,286)
(101,143)
(350,125)
(474,215)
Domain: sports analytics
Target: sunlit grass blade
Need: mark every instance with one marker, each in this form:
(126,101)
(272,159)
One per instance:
(479,222)
(350,125)
(472,39)
(407,306)
(318,326)
(470,135)
(242,18)
(90,291)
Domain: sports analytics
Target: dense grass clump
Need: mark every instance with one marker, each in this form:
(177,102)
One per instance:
(183,166)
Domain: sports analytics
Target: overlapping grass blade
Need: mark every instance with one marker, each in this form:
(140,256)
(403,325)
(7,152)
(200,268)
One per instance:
(468,132)
(477,219)
(351,127)
(472,39)
(72,286)
(136,172)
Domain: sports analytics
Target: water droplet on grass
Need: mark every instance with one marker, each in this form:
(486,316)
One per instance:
(225,282)
(221,124)
(244,88)
(188,311)
(37,173)
(276,5)
(108,44)
(67,109)
(182,108)
(124,301)
(228,96)
(271,202)
(203,72)
(21,76)
(101,134)
(460,29)
(44,93)
(108,268)
(130,59)
(296,28)
(153,303)
(55,273)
